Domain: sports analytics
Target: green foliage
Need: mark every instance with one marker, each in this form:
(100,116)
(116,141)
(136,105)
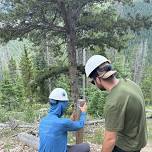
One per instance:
(9,99)
(11,96)
(29,114)
(3,115)
(124,69)
(42,92)
(98,27)
(103,29)
(27,73)
(146,85)
(96,101)
(121,63)
(42,89)
(39,61)
(12,69)
(93,24)
(97,22)
(63,82)
(11,88)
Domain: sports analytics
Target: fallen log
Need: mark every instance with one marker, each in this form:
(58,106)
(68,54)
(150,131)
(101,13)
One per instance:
(33,142)
(5,126)
(93,122)
(9,125)
(29,140)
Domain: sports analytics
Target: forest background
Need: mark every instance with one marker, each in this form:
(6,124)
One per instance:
(45,44)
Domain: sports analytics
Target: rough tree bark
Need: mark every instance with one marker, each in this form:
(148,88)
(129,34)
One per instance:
(73,72)
(70,17)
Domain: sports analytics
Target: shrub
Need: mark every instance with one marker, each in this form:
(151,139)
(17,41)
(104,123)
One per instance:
(96,101)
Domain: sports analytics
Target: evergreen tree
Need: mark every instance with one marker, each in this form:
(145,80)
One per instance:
(42,90)
(12,69)
(1,70)
(27,73)
(73,21)
(8,99)
(146,85)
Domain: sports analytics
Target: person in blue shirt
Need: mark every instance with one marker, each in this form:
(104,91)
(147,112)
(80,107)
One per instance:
(53,129)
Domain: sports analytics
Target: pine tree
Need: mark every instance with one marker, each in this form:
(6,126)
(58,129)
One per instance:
(12,69)
(146,85)
(1,70)
(9,99)
(73,21)
(42,90)
(27,73)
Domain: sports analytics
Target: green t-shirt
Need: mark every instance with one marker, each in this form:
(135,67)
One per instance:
(125,114)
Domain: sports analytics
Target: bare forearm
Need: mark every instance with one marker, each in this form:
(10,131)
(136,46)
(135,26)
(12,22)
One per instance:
(108,145)
(109,141)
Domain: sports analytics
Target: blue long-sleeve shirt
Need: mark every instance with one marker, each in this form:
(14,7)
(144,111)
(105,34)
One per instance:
(53,132)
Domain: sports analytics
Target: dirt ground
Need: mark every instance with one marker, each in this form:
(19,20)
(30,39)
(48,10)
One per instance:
(19,147)
(96,148)
(9,142)
(12,145)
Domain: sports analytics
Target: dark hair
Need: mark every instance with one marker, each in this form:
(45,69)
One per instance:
(94,74)
(102,68)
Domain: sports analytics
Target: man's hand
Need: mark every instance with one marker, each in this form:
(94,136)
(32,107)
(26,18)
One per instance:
(109,141)
(83,108)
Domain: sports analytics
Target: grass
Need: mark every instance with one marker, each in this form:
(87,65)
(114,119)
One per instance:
(8,146)
(6,137)
(92,134)
(149,128)
(149,123)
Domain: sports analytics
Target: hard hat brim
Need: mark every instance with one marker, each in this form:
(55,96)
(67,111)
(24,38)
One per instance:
(108,74)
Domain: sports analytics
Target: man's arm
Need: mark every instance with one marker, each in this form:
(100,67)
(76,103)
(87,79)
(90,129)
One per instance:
(109,141)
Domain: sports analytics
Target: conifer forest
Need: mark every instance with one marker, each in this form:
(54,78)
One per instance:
(45,44)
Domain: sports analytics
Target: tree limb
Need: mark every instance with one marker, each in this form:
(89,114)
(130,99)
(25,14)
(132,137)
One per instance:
(53,71)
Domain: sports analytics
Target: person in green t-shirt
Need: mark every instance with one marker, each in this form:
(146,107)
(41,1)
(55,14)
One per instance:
(125,120)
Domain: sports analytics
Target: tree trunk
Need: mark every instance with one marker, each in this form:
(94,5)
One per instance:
(73,72)
(73,66)
(70,17)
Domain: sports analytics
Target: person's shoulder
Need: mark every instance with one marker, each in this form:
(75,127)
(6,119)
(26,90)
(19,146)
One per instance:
(132,86)
(131,82)
(43,118)
(65,120)
(118,92)
(127,86)
(118,97)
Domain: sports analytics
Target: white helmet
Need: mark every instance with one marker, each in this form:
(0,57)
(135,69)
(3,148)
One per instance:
(59,94)
(93,63)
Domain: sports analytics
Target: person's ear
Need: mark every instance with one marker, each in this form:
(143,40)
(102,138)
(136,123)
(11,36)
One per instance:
(98,80)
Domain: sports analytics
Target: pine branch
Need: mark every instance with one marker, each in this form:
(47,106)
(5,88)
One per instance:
(16,31)
(53,71)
